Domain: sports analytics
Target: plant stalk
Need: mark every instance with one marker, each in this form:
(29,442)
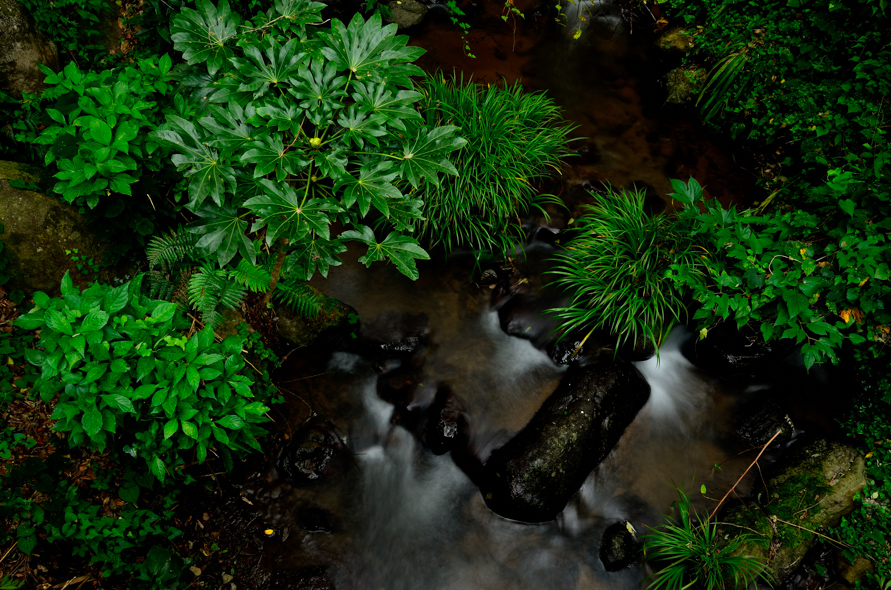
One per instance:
(276,270)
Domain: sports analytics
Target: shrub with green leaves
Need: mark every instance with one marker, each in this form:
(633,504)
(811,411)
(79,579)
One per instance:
(288,131)
(98,136)
(616,269)
(788,275)
(127,374)
(74,25)
(515,139)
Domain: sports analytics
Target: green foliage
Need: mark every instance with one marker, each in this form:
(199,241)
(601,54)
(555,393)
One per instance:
(73,25)
(691,554)
(788,275)
(514,140)
(616,269)
(98,136)
(284,131)
(125,375)
(174,261)
(867,530)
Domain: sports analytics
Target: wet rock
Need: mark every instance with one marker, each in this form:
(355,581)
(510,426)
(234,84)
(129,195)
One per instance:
(394,334)
(676,39)
(760,420)
(314,577)
(618,547)
(406,13)
(488,277)
(811,487)
(732,353)
(331,328)
(315,520)
(37,232)
(446,424)
(682,84)
(533,476)
(309,453)
(566,350)
(524,316)
(22,48)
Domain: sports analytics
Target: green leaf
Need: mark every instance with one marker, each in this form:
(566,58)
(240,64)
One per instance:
(116,299)
(399,249)
(231,422)
(201,35)
(119,366)
(796,302)
(424,154)
(129,493)
(92,421)
(56,321)
(95,372)
(100,131)
(223,234)
(157,468)
(171,427)
(374,186)
(164,312)
(286,215)
(396,109)
(119,402)
(366,48)
(270,63)
(95,320)
(270,155)
(193,378)
(190,430)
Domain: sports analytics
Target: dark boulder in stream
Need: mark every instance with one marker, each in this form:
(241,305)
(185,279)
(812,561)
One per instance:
(309,453)
(732,353)
(533,476)
(618,547)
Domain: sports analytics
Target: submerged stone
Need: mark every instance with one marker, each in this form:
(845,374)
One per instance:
(447,423)
(533,476)
(618,547)
(305,459)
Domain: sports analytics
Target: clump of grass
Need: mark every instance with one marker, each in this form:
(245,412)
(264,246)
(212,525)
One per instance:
(616,268)
(514,140)
(694,556)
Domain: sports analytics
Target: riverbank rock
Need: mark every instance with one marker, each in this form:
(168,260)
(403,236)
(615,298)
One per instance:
(618,547)
(760,419)
(334,325)
(41,233)
(810,488)
(406,13)
(676,39)
(682,84)
(22,48)
(533,476)
(731,353)
(309,453)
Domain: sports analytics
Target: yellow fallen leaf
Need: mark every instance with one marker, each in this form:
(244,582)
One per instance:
(269,532)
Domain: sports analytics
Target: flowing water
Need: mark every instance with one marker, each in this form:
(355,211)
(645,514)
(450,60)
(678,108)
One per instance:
(392,515)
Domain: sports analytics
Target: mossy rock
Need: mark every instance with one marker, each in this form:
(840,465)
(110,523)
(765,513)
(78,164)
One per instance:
(683,84)
(41,233)
(807,491)
(335,323)
(22,49)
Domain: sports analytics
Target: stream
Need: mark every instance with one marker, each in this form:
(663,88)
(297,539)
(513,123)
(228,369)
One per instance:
(388,514)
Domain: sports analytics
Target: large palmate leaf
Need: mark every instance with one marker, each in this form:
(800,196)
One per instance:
(230,131)
(298,14)
(373,187)
(366,48)
(282,114)
(401,250)
(271,155)
(286,214)
(359,126)
(272,63)
(209,175)
(378,99)
(313,254)
(222,233)
(320,90)
(201,35)
(424,154)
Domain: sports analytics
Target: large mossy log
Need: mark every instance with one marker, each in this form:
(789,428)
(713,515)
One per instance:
(533,476)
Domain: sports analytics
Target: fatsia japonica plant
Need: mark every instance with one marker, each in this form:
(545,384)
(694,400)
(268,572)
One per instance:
(288,130)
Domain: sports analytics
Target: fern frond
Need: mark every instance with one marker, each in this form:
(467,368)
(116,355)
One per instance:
(300,297)
(232,294)
(159,285)
(174,247)
(205,288)
(254,277)
(213,319)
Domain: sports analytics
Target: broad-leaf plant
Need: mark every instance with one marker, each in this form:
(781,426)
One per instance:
(303,135)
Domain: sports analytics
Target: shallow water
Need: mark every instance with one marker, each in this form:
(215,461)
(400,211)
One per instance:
(397,517)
